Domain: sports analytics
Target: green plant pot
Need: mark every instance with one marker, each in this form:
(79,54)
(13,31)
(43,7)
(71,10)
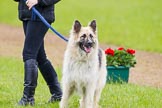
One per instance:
(117,74)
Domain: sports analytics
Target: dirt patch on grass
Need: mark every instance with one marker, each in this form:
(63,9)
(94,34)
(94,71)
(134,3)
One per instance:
(148,70)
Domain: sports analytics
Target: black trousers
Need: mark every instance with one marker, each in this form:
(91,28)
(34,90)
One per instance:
(34,41)
(34,50)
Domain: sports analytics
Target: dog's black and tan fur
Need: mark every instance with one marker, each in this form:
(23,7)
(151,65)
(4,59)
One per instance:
(84,67)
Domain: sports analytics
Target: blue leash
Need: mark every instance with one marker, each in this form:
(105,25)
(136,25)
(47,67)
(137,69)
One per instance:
(34,11)
(48,25)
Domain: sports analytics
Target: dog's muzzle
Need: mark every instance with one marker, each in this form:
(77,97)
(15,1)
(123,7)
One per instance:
(86,46)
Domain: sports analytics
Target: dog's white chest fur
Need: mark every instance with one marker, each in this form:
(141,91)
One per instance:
(81,72)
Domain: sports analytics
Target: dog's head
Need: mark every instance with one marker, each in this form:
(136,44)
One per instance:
(85,37)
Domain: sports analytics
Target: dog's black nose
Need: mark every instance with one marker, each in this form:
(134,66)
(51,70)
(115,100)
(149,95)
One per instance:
(88,44)
(89,41)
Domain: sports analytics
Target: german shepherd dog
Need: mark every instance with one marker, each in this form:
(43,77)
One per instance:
(84,66)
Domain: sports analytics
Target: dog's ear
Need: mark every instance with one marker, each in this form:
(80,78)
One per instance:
(77,26)
(93,25)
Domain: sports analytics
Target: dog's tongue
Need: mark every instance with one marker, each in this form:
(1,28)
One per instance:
(88,50)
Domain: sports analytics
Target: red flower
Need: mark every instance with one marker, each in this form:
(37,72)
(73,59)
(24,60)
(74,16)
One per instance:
(109,51)
(131,51)
(121,48)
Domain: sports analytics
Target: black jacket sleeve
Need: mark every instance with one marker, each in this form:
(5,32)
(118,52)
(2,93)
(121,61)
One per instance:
(16,0)
(47,2)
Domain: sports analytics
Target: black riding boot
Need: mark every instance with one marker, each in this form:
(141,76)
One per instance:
(30,82)
(50,76)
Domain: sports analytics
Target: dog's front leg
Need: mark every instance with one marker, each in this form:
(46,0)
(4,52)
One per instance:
(82,101)
(97,97)
(67,91)
(89,96)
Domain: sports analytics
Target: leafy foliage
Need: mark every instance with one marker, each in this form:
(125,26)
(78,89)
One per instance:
(120,57)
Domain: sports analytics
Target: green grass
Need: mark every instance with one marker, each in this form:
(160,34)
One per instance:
(113,96)
(8,12)
(130,23)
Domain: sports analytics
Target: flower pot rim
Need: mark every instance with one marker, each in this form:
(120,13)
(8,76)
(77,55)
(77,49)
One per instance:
(119,67)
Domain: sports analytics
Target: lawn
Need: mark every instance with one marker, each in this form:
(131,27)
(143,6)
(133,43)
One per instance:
(129,23)
(113,95)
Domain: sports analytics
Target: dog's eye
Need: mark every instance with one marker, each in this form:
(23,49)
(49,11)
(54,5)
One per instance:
(83,36)
(91,36)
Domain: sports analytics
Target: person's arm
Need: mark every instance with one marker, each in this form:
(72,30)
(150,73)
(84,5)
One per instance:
(47,2)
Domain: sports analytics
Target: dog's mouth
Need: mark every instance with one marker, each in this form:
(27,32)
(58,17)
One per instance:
(87,47)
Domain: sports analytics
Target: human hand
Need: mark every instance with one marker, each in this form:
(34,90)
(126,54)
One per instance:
(31,3)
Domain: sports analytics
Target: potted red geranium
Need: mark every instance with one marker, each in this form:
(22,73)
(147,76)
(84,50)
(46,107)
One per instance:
(118,63)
